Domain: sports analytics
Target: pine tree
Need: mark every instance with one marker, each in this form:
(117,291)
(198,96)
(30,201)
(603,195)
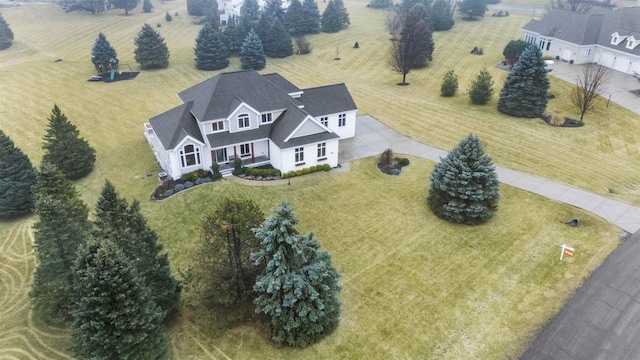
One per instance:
(524,93)
(115,220)
(202,8)
(114,317)
(272,10)
(464,185)
(125,4)
(211,53)
(147,6)
(249,15)
(226,272)
(295,18)
(277,42)
(311,17)
(472,8)
(481,88)
(233,35)
(17,177)
(252,53)
(513,50)
(344,15)
(415,21)
(449,84)
(62,226)
(151,50)
(102,52)
(298,287)
(6,35)
(331,21)
(441,15)
(65,149)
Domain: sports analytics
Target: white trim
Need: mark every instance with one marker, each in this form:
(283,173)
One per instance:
(302,123)
(188,137)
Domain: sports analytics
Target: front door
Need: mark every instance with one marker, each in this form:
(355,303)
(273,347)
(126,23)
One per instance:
(221,155)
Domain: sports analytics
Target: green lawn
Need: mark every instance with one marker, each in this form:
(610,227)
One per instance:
(413,286)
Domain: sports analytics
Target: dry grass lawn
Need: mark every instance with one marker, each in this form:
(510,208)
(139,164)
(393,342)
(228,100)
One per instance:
(413,286)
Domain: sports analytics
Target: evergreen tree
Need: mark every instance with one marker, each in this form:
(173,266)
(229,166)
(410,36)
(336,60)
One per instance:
(311,17)
(65,149)
(62,226)
(114,317)
(273,10)
(415,21)
(17,177)
(92,5)
(115,220)
(481,88)
(449,84)
(151,50)
(168,17)
(212,15)
(249,15)
(277,41)
(226,272)
(211,53)
(464,185)
(513,50)
(233,35)
(147,6)
(344,15)
(295,18)
(473,8)
(102,52)
(6,35)
(441,15)
(252,53)
(298,287)
(331,21)
(524,93)
(125,4)
(202,8)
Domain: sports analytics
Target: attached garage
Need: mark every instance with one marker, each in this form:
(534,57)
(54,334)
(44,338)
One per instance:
(606,60)
(622,64)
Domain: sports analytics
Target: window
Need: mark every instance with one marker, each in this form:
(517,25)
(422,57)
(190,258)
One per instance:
(245,150)
(299,155)
(586,53)
(217,126)
(322,150)
(243,121)
(548,44)
(324,121)
(542,42)
(189,156)
(615,39)
(342,120)
(529,38)
(266,118)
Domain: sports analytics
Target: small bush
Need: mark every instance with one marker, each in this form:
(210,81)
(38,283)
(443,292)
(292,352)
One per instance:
(238,169)
(215,171)
(176,14)
(548,57)
(158,25)
(178,188)
(200,181)
(325,167)
(194,175)
(356,45)
(404,161)
(167,193)
(299,173)
(168,17)
(449,84)
(303,45)
(262,172)
(188,184)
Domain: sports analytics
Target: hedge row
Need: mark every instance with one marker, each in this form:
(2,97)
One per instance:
(309,170)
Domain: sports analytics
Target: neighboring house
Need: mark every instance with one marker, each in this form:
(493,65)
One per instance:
(261,119)
(607,37)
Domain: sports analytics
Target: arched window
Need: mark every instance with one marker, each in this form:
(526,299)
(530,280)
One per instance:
(243,121)
(189,156)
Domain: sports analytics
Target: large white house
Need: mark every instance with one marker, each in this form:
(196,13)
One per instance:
(607,37)
(261,119)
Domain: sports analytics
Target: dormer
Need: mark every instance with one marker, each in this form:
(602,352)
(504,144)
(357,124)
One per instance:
(632,42)
(617,38)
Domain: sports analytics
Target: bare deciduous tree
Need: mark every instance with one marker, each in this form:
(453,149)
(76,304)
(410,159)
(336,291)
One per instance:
(591,83)
(578,6)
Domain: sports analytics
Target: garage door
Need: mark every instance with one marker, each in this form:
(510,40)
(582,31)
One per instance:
(622,64)
(635,67)
(606,60)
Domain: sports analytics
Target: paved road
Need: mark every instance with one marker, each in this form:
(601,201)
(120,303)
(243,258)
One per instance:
(602,320)
(373,137)
(532,11)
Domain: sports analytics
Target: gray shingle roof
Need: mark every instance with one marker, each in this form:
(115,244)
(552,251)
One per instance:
(591,28)
(328,99)
(174,125)
(217,97)
(282,83)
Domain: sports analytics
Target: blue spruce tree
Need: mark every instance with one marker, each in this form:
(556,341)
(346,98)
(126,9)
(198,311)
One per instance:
(252,53)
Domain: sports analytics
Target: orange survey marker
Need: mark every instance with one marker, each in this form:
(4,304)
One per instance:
(566,250)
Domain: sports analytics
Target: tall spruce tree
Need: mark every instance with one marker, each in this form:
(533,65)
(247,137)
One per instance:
(202,7)
(472,8)
(481,88)
(272,10)
(102,52)
(62,226)
(151,50)
(211,52)
(115,220)
(6,35)
(311,17)
(249,15)
(344,15)
(125,4)
(277,41)
(233,35)
(226,274)
(331,21)
(295,18)
(252,53)
(464,185)
(65,149)
(17,177)
(146,6)
(298,287)
(441,15)
(114,316)
(524,93)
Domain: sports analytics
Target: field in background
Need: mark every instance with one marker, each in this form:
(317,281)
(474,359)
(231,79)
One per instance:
(413,286)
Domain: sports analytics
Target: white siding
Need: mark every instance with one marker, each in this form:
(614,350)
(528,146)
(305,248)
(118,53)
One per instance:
(310,157)
(243,109)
